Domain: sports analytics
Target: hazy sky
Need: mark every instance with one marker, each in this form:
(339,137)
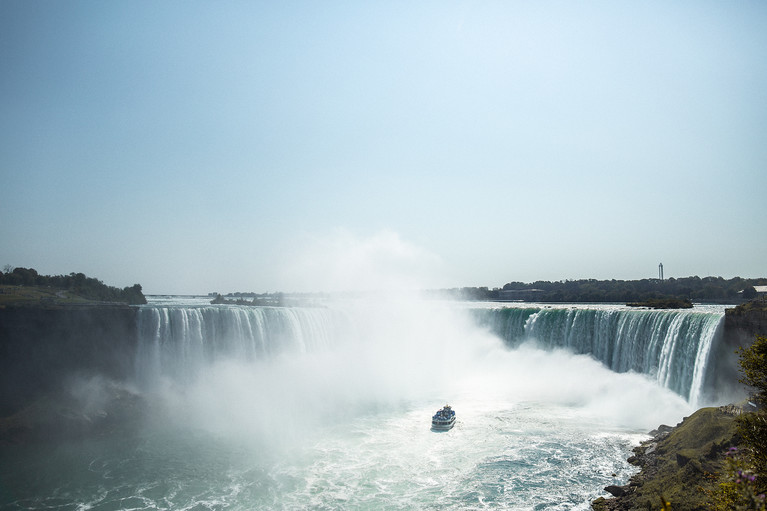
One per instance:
(304,146)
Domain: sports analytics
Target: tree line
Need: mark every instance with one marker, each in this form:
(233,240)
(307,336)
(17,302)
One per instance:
(744,483)
(711,289)
(76,283)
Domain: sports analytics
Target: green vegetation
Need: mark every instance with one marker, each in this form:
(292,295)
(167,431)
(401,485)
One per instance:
(754,306)
(663,303)
(268,299)
(680,466)
(706,289)
(745,479)
(24,286)
(688,460)
(274,300)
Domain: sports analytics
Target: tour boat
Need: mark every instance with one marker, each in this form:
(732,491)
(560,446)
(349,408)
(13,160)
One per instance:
(444,419)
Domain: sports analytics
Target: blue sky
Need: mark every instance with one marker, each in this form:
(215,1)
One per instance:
(307,146)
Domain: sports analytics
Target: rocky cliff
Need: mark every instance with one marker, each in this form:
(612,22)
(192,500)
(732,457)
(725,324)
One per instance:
(44,348)
(678,465)
(741,326)
(743,323)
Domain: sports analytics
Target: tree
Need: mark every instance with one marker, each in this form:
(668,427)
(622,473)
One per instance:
(28,276)
(133,295)
(753,365)
(753,426)
(744,480)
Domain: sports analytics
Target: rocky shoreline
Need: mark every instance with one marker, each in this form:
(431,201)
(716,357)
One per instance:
(678,464)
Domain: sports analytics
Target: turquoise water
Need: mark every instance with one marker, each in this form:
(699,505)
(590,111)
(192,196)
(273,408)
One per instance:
(525,457)
(338,417)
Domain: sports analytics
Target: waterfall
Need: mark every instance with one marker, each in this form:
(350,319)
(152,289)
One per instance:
(672,346)
(177,340)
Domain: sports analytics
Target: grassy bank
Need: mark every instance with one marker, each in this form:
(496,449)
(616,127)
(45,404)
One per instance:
(39,295)
(680,465)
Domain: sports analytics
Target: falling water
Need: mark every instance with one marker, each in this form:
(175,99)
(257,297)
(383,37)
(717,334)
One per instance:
(329,408)
(671,346)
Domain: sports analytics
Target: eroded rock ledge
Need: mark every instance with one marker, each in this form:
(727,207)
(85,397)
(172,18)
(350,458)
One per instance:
(678,464)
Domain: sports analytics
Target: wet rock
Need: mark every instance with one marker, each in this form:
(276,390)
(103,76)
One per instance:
(616,491)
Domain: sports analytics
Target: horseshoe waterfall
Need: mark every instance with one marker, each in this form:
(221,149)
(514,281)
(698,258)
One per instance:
(670,346)
(329,406)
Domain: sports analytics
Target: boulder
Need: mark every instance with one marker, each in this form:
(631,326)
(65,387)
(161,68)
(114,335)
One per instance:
(616,491)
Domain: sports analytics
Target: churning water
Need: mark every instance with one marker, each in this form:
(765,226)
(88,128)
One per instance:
(329,408)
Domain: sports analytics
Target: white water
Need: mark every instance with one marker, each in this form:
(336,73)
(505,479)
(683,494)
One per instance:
(671,346)
(329,408)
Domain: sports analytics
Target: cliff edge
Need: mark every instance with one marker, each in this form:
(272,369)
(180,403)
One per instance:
(744,322)
(43,348)
(678,464)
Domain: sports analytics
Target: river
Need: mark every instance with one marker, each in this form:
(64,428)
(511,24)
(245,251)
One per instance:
(329,407)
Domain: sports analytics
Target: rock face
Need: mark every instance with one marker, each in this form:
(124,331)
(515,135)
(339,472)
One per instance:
(89,408)
(42,349)
(740,328)
(742,324)
(676,464)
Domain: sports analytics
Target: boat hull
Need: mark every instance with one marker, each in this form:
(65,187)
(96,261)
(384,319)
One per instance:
(441,426)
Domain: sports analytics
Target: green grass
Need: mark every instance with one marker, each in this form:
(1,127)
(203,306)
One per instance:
(688,462)
(38,295)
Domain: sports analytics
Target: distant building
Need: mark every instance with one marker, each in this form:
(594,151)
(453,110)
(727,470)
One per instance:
(761,292)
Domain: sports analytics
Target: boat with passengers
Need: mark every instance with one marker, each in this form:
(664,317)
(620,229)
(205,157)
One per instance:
(444,419)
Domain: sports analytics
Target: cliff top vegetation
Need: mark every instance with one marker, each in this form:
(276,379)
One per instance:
(24,286)
(663,303)
(696,289)
(748,308)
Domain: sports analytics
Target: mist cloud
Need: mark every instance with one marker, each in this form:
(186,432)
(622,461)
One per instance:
(342,261)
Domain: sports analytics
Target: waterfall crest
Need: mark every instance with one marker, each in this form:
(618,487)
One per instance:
(673,346)
(177,341)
